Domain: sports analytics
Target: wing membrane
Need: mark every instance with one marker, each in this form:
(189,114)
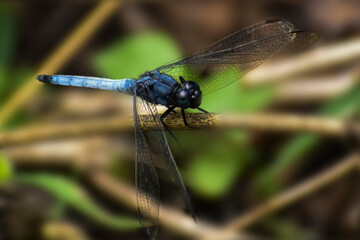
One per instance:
(152,147)
(147,182)
(238,53)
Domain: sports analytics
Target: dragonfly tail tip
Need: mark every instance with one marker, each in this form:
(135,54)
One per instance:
(43,78)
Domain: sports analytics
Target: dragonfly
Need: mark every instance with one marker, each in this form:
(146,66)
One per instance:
(181,84)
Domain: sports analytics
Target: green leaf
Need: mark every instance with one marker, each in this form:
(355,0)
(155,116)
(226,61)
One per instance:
(239,98)
(132,56)
(71,194)
(269,182)
(6,170)
(212,172)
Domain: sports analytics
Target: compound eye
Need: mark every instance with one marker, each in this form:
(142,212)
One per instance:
(196,92)
(189,85)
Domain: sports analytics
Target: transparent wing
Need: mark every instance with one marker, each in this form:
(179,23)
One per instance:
(147,182)
(152,148)
(230,58)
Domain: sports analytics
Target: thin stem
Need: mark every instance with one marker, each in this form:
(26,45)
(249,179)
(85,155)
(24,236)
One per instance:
(263,122)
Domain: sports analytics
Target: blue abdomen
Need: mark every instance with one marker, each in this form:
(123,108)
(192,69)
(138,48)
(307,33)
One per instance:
(153,86)
(119,85)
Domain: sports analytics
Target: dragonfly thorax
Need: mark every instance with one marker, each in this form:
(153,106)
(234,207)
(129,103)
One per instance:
(160,88)
(189,95)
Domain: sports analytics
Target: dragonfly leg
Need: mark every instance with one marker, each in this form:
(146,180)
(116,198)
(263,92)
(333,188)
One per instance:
(167,112)
(184,119)
(202,110)
(162,117)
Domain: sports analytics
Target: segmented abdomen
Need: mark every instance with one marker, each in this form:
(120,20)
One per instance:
(119,85)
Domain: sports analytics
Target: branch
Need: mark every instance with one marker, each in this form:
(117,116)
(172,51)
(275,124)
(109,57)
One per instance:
(296,193)
(60,56)
(264,122)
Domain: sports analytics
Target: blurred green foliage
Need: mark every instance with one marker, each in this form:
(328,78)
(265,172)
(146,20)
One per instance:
(239,98)
(218,163)
(269,182)
(6,169)
(69,193)
(136,54)
(11,76)
(7,84)
(7,42)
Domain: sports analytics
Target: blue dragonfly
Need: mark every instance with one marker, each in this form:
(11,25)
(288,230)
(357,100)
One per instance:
(181,84)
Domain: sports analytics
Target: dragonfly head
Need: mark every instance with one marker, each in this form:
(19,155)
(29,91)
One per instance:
(190,95)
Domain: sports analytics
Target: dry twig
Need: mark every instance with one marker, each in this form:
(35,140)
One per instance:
(264,122)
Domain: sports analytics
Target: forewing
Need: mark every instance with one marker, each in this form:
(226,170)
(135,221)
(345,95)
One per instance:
(230,58)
